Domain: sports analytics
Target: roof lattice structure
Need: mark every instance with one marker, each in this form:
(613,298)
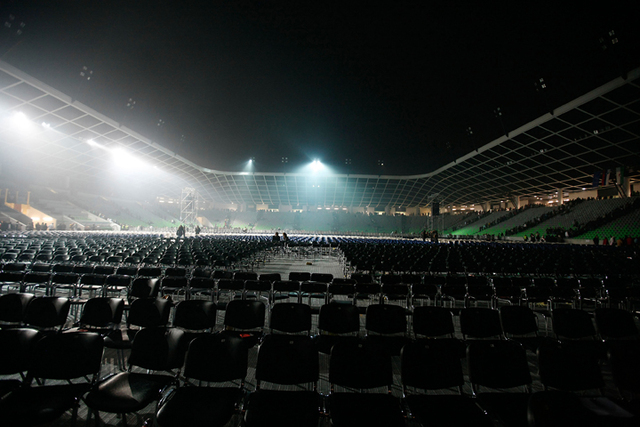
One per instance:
(560,150)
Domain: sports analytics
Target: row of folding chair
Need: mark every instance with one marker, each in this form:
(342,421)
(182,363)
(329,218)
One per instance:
(287,371)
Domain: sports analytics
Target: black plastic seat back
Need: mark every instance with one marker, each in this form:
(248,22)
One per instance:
(245,314)
(321,277)
(102,312)
(17,345)
(432,364)
(13,307)
(615,323)
(299,276)
(282,360)
(356,364)
(339,319)
(476,322)
(47,312)
(386,319)
(245,275)
(67,356)
(290,317)
(572,323)
(149,312)
(158,349)
(195,315)
(518,320)
(216,358)
(143,287)
(431,322)
(498,364)
(568,367)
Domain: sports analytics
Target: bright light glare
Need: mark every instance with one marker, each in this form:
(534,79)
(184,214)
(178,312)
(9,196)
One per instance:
(20,117)
(316,166)
(21,121)
(124,159)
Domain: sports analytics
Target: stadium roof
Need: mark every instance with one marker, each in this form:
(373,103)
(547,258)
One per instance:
(66,140)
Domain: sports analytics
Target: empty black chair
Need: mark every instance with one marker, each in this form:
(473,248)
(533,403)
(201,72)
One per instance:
(47,313)
(211,359)
(36,283)
(258,289)
(64,281)
(432,322)
(227,290)
(175,272)
(290,318)
(519,323)
(477,322)
(285,362)
(92,284)
(356,365)
(245,275)
(195,317)
(14,266)
(395,293)
(336,323)
(320,277)
(506,291)
(153,272)
(625,368)
(615,324)
(429,291)
(286,290)
(201,288)
(17,346)
(479,290)
(576,327)
(271,277)
(567,367)
(67,357)
(299,276)
(454,290)
(342,290)
(143,313)
(123,270)
(500,365)
(101,314)
(436,365)
(11,281)
(117,286)
(245,318)
(143,287)
(556,408)
(13,308)
(176,286)
(362,277)
(367,293)
(155,349)
(386,327)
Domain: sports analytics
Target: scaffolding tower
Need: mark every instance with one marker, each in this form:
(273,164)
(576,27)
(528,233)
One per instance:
(189,206)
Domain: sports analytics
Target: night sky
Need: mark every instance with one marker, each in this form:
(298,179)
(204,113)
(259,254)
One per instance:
(398,82)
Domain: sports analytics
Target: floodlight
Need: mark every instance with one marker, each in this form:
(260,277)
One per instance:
(124,159)
(316,166)
(20,119)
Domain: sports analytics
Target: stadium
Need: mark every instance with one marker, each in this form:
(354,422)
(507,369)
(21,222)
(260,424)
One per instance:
(567,154)
(512,269)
